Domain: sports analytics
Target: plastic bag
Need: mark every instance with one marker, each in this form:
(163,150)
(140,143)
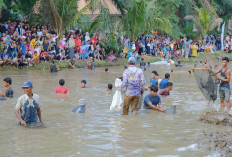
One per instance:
(117,98)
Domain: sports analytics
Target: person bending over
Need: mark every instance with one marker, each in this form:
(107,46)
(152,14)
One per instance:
(152,100)
(166,91)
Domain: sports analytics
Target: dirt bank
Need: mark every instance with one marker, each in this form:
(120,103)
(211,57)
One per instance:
(216,118)
(218,140)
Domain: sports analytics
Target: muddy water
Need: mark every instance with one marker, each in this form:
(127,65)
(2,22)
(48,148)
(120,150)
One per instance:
(103,132)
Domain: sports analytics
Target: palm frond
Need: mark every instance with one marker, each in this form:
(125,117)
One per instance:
(120,5)
(215,23)
(206,4)
(73,20)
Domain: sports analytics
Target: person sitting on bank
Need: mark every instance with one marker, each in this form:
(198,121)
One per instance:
(93,66)
(61,89)
(27,109)
(143,64)
(166,91)
(53,68)
(9,93)
(163,83)
(71,63)
(152,100)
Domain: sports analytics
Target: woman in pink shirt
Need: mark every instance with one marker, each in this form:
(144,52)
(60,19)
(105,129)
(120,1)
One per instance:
(63,43)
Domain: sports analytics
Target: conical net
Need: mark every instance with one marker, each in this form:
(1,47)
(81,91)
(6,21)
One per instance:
(207,83)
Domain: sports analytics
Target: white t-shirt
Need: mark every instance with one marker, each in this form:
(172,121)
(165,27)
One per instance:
(23,100)
(40,33)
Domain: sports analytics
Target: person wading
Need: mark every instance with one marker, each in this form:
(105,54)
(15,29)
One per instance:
(27,109)
(224,88)
(134,81)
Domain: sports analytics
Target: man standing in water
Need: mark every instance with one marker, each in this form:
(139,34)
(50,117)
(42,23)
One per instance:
(164,82)
(27,109)
(134,81)
(224,88)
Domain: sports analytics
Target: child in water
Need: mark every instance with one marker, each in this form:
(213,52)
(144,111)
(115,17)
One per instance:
(83,84)
(81,108)
(109,87)
(143,65)
(9,93)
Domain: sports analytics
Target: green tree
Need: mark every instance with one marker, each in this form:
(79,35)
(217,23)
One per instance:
(142,18)
(223,8)
(63,14)
(204,21)
(87,25)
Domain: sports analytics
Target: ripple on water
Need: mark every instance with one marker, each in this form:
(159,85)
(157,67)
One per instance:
(101,132)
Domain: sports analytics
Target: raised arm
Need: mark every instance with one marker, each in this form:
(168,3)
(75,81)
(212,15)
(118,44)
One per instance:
(218,71)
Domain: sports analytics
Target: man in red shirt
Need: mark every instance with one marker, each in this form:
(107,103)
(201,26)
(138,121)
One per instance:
(61,89)
(166,91)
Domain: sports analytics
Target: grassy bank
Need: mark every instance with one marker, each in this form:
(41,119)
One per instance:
(78,64)
(206,56)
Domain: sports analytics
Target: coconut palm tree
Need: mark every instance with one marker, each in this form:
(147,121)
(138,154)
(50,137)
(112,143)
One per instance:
(223,8)
(142,18)
(62,14)
(204,21)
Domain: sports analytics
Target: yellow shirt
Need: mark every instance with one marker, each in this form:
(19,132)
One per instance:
(124,50)
(35,56)
(32,43)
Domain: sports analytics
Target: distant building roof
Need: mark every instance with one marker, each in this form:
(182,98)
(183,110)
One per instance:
(106,3)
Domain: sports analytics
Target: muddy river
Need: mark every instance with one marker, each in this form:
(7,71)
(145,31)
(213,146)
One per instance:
(102,132)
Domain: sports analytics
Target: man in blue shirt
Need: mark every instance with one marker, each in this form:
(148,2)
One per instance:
(23,47)
(152,100)
(164,82)
(153,80)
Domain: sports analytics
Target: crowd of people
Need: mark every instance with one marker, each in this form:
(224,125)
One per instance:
(131,85)
(25,45)
(28,110)
(22,44)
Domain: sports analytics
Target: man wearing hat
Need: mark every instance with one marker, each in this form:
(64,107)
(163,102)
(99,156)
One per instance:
(224,88)
(27,109)
(134,81)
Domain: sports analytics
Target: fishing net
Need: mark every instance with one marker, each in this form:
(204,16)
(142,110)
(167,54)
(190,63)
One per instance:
(207,83)
(170,110)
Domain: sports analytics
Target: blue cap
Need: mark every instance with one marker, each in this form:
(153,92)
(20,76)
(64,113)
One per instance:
(27,84)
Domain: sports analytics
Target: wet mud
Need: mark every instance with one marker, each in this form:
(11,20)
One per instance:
(218,140)
(216,118)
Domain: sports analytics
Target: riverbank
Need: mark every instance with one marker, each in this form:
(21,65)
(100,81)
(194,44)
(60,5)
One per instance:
(79,64)
(220,139)
(206,56)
